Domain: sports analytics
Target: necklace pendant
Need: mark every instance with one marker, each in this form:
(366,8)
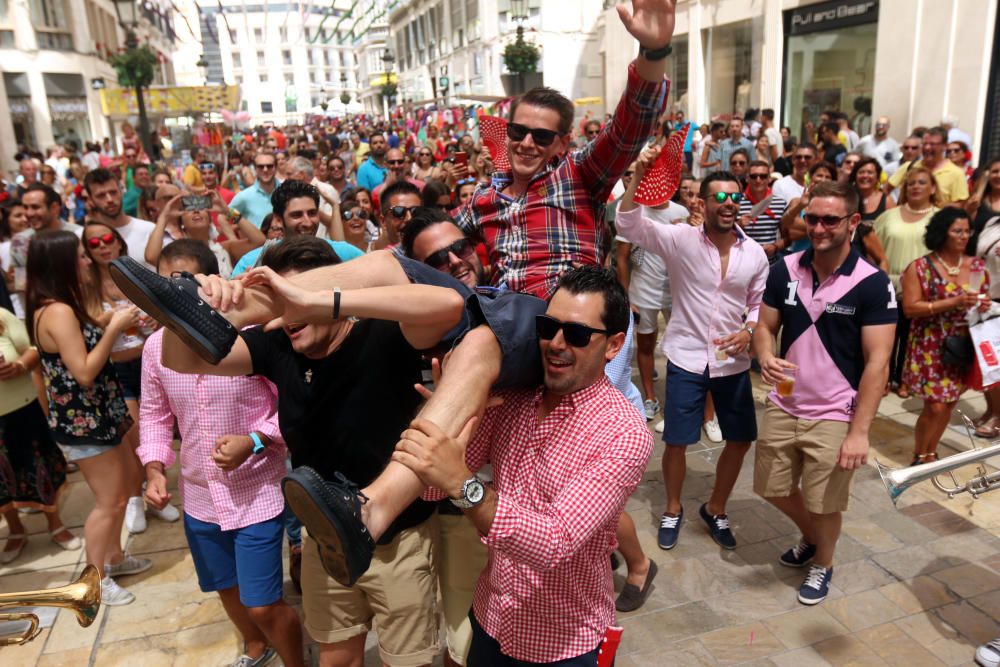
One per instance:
(308,376)
(953,270)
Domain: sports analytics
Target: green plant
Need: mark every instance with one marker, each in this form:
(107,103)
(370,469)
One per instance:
(521,57)
(135,67)
(345,98)
(389,90)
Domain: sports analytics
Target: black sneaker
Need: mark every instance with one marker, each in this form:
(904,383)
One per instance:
(331,512)
(670,530)
(799,555)
(174,303)
(718,526)
(816,586)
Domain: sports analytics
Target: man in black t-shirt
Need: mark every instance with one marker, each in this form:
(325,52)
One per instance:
(345,393)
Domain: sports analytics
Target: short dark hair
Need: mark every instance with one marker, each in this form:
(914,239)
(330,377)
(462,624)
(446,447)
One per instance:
(808,145)
(98,176)
(421,219)
(767,113)
(289,190)
(596,280)
(829,126)
(591,123)
(716,176)
(866,160)
(740,151)
(434,190)
(397,188)
(716,125)
(939,132)
(51,196)
(823,164)
(191,249)
(936,233)
(759,163)
(844,191)
(299,253)
(141,165)
(548,98)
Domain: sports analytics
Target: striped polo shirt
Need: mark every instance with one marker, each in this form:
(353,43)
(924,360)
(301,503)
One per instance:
(765,227)
(821,330)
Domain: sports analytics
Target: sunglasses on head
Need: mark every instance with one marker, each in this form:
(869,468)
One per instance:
(541,136)
(106,239)
(574,333)
(720,197)
(349,215)
(462,248)
(400,211)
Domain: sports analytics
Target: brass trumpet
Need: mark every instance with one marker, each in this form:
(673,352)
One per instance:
(83,596)
(900,479)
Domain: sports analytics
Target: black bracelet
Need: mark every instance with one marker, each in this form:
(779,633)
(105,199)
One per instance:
(336,303)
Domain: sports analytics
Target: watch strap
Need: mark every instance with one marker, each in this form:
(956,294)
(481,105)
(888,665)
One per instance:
(655,54)
(258,444)
(462,501)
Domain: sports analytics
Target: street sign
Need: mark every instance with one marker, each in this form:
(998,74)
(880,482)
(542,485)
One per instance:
(443,82)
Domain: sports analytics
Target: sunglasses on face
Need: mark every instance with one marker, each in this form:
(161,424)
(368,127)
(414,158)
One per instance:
(395,163)
(758,177)
(264,166)
(425,155)
(541,136)
(462,248)
(574,333)
(828,221)
(400,211)
(350,215)
(802,157)
(955,150)
(720,197)
(738,163)
(106,239)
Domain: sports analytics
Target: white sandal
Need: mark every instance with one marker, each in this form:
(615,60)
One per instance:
(72,544)
(10,556)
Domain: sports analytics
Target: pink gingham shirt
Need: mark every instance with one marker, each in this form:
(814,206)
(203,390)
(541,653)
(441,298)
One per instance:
(706,306)
(546,593)
(208,407)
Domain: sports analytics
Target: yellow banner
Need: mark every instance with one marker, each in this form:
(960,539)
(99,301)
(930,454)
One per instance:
(171,100)
(380,80)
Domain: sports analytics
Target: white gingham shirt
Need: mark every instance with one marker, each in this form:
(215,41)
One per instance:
(546,593)
(208,407)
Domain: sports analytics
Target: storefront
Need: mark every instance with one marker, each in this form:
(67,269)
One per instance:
(67,96)
(733,75)
(19,103)
(829,63)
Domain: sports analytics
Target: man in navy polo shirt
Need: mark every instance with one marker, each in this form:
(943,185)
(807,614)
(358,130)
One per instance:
(837,316)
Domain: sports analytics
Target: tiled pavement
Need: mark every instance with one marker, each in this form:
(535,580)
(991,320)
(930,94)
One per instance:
(918,585)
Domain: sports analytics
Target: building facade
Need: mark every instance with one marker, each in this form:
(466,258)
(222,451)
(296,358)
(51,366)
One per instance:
(54,55)
(916,61)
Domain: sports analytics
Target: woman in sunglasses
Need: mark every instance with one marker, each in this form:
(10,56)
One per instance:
(87,413)
(424,167)
(355,222)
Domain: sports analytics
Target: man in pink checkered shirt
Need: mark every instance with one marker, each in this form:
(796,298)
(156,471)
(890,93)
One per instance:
(231,485)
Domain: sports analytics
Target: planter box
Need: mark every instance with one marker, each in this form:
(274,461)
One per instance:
(515,84)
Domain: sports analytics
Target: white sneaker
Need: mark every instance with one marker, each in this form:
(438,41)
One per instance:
(652,406)
(988,655)
(129,565)
(713,431)
(135,515)
(169,513)
(659,427)
(114,595)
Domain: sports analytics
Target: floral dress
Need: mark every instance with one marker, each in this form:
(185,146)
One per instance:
(84,416)
(924,373)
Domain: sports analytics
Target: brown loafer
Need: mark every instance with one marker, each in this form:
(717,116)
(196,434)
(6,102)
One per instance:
(632,597)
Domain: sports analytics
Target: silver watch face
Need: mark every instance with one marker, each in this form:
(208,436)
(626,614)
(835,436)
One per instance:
(474,491)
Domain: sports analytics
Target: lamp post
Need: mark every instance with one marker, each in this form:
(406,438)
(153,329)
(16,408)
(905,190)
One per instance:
(345,96)
(202,66)
(387,59)
(519,14)
(128,19)
(323,104)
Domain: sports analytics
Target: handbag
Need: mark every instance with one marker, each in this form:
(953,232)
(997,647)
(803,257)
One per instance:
(958,351)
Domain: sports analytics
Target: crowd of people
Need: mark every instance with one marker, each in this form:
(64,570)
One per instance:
(409,356)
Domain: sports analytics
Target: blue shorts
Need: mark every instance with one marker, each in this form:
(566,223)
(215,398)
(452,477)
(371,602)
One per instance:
(685,406)
(247,557)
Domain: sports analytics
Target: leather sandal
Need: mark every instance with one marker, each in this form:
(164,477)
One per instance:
(11,556)
(988,429)
(72,544)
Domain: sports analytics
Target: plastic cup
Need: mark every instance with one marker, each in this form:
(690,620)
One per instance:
(975,281)
(721,354)
(786,385)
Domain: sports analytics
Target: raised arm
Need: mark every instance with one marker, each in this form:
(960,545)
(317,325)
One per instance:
(154,246)
(58,327)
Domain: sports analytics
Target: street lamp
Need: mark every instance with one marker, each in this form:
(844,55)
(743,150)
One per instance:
(345,97)
(323,105)
(388,89)
(202,66)
(128,18)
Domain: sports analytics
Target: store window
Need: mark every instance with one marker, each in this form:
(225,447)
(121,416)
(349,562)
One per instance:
(677,70)
(829,65)
(732,68)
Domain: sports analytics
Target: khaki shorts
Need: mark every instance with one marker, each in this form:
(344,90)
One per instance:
(792,450)
(462,557)
(398,592)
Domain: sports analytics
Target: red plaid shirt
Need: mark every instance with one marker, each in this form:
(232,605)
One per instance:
(546,593)
(560,219)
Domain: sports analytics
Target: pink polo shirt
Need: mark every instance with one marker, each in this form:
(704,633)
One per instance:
(706,306)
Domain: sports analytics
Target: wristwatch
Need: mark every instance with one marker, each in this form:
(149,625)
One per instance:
(473,493)
(258,444)
(655,54)
(749,329)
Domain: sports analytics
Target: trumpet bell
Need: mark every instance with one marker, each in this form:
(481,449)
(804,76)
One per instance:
(898,480)
(83,597)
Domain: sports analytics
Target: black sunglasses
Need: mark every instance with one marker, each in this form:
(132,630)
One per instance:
(400,211)
(462,248)
(828,221)
(395,162)
(720,197)
(348,215)
(265,166)
(541,136)
(575,334)
(758,177)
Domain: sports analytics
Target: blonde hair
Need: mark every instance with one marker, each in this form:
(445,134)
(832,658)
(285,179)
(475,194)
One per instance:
(910,174)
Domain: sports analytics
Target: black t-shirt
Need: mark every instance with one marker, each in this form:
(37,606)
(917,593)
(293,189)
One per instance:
(345,413)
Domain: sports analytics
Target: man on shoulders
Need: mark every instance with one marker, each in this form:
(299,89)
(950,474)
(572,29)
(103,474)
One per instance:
(106,207)
(836,315)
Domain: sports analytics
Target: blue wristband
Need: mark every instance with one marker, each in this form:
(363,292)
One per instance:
(258,446)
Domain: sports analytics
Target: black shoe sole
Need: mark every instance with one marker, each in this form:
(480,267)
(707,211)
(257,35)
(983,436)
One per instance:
(311,505)
(131,284)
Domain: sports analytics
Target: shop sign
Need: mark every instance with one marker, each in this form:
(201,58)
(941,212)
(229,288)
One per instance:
(832,15)
(68,106)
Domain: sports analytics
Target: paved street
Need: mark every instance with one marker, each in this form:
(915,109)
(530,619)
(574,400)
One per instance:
(919,585)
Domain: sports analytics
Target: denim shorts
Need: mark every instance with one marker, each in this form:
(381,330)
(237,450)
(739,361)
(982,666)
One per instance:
(74,453)
(129,377)
(247,557)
